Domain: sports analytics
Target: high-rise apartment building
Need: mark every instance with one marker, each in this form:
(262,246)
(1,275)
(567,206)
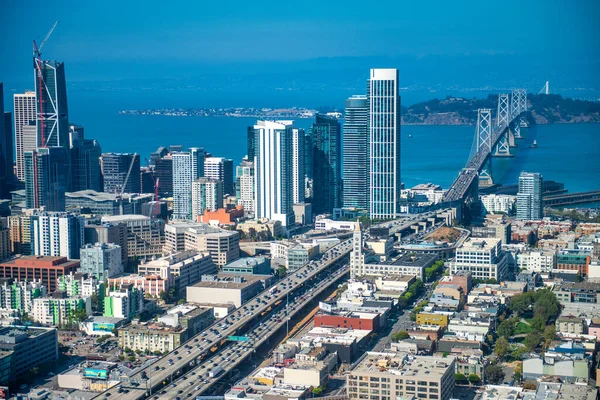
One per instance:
(356,150)
(145,236)
(47,178)
(327,164)
(384,143)
(51,104)
(24,109)
(115,233)
(274,188)
(20,233)
(298,167)
(101,260)
(207,194)
(57,234)
(221,169)
(245,186)
(529,196)
(85,165)
(121,172)
(187,167)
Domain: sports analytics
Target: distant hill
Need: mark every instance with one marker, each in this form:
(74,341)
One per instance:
(545,109)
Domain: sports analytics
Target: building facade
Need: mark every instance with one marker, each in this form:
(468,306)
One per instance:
(57,234)
(101,260)
(47,178)
(24,109)
(38,268)
(187,167)
(483,258)
(19,295)
(326,139)
(298,167)
(51,104)
(121,172)
(60,311)
(207,194)
(85,165)
(220,169)
(529,197)
(245,186)
(145,235)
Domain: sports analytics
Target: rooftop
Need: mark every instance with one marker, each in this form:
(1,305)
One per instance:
(480,244)
(414,260)
(227,282)
(404,364)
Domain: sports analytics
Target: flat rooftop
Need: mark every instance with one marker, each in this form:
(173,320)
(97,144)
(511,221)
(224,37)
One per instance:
(404,364)
(228,283)
(479,244)
(413,260)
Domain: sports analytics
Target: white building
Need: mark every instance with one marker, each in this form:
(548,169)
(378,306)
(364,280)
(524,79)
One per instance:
(497,203)
(24,112)
(245,186)
(57,234)
(19,295)
(223,245)
(126,302)
(274,174)
(293,254)
(298,167)
(220,169)
(529,198)
(326,224)
(207,193)
(78,285)
(187,167)
(59,311)
(483,257)
(537,261)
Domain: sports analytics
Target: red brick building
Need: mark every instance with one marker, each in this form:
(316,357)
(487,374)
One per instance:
(460,278)
(354,320)
(46,268)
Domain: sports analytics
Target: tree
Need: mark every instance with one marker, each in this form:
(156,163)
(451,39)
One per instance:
(538,323)
(163,296)
(317,391)
(495,374)
(532,340)
(95,302)
(506,328)
(460,378)
(473,378)
(550,332)
(398,336)
(131,358)
(501,347)
(172,294)
(521,303)
(518,353)
(181,301)
(80,315)
(281,272)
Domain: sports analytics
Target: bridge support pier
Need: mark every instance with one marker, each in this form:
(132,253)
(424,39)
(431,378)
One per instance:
(502,148)
(485,175)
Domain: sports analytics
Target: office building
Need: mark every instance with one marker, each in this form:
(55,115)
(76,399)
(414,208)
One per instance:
(6,149)
(101,203)
(25,347)
(384,144)
(145,235)
(85,165)
(5,244)
(274,188)
(24,109)
(245,186)
(207,194)
(249,266)
(250,136)
(47,178)
(537,261)
(76,132)
(384,376)
(224,290)
(121,172)
(223,245)
(60,309)
(163,171)
(108,233)
(497,203)
(38,268)
(326,142)
(356,149)
(57,234)
(101,260)
(19,295)
(51,104)
(293,254)
(529,197)
(125,301)
(187,167)
(221,169)
(484,258)
(298,168)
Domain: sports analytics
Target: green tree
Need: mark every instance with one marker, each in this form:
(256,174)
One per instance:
(181,301)
(538,323)
(281,272)
(163,296)
(495,374)
(80,315)
(460,378)
(550,332)
(518,353)
(317,391)
(473,378)
(501,347)
(398,336)
(131,358)
(521,303)
(532,340)
(506,328)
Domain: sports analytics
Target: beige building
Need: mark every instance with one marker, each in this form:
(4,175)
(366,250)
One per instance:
(305,375)
(214,290)
(570,325)
(20,233)
(153,337)
(223,245)
(145,236)
(390,376)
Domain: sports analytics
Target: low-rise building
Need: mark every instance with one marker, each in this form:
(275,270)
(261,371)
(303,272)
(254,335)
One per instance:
(213,290)
(101,326)
(326,224)
(190,316)
(471,326)
(483,258)
(537,261)
(19,295)
(152,285)
(249,266)
(569,324)
(293,254)
(44,268)
(464,279)
(125,301)
(577,292)
(80,284)
(573,260)
(153,337)
(104,203)
(428,318)
(60,309)
(349,319)
(570,368)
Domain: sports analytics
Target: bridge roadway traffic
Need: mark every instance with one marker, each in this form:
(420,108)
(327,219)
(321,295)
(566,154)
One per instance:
(198,381)
(180,359)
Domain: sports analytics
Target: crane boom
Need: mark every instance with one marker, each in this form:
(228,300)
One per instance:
(38,50)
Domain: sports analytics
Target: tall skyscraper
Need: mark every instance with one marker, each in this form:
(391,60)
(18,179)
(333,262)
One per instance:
(46,178)
(221,169)
(245,186)
(187,167)
(274,171)
(75,133)
(57,234)
(327,169)
(121,172)
(250,134)
(51,104)
(298,166)
(529,198)
(163,171)
(356,149)
(384,144)
(24,108)
(207,193)
(85,165)
(6,149)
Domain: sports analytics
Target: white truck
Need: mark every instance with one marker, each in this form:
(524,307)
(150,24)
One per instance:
(216,371)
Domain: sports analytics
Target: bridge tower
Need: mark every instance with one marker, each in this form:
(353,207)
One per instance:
(507,139)
(484,140)
(522,96)
(514,113)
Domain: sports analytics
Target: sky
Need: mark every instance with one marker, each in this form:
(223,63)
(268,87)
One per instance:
(114,40)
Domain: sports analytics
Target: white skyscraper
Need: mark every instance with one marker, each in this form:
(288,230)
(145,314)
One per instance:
(57,234)
(273,155)
(245,186)
(529,197)
(221,169)
(24,105)
(187,167)
(298,168)
(384,144)
(207,193)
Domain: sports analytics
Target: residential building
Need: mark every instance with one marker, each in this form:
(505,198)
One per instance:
(80,284)
(152,337)
(187,167)
(483,258)
(220,169)
(213,290)
(20,233)
(60,309)
(293,254)
(497,203)
(207,194)
(574,261)
(569,368)
(121,172)
(298,168)
(57,234)
(153,285)
(145,235)
(427,318)
(537,261)
(529,197)
(108,233)
(577,292)
(24,113)
(192,317)
(47,178)
(51,104)
(273,172)
(356,150)
(19,295)
(85,165)
(125,301)
(401,375)
(384,144)
(462,279)
(471,326)
(569,324)
(245,185)
(326,140)
(249,266)
(223,245)
(38,268)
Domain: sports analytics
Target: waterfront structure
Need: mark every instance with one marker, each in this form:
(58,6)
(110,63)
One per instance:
(125,301)
(101,203)
(57,234)
(326,150)
(384,144)
(25,347)
(187,167)
(356,149)
(145,235)
(101,260)
(484,258)
(245,186)
(402,375)
(85,165)
(44,268)
(221,169)
(298,167)
(497,203)
(47,178)
(274,188)
(529,196)
(115,233)
(207,194)
(51,104)
(121,172)
(60,309)
(24,113)
(18,295)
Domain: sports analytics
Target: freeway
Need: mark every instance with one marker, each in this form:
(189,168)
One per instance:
(198,381)
(182,358)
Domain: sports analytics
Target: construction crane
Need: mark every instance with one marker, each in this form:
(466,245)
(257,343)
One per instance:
(37,64)
(156,186)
